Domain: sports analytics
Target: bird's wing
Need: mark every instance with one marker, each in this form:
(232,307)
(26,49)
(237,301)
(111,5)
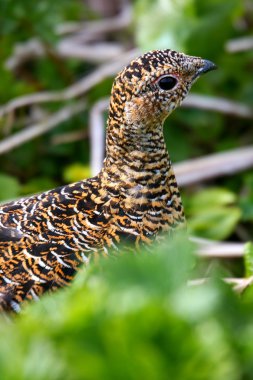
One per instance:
(70,219)
(43,239)
(73,216)
(26,276)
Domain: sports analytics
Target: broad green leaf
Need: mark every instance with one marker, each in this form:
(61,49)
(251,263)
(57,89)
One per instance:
(76,172)
(215,223)
(209,198)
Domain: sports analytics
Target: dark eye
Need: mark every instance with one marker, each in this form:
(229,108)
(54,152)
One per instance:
(167,82)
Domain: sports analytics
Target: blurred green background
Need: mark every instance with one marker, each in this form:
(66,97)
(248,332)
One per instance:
(135,318)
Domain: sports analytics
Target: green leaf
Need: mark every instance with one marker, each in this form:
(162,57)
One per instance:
(211,197)
(214,223)
(211,213)
(248,259)
(76,172)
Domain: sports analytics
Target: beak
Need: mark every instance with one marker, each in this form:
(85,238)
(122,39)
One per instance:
(207,66)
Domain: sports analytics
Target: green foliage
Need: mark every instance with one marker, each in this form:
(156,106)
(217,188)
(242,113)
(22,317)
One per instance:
(23,20)
(133,317)
(185,25)
(26,19)
(159,23)
(213,213)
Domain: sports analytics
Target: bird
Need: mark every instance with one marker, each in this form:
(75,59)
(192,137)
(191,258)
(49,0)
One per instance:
(46,238)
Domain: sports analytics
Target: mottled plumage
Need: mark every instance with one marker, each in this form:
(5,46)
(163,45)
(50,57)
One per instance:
(45,238)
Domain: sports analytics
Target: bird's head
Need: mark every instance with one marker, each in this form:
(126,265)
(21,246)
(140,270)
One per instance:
(153,85)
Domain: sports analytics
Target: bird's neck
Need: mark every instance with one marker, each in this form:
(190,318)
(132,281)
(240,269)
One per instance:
(135,152)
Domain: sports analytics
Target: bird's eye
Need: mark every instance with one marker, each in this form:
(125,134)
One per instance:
(167,82)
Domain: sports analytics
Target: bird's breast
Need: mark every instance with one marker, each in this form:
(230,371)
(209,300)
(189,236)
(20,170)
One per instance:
(143,211)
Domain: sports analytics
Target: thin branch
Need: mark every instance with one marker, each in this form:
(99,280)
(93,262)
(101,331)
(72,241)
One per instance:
(94,28)
(239,44)
(97,135)
(23,52)
(77,45)
(40,128)
(213,249)
(239,284)
(69,137)
(75,89)
(222,105)
(96,53)
(202,281)
(215,165)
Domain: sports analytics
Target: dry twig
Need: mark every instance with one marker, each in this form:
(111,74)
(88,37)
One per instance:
(222,105)
(239,284)
(40,128)
(215,165)
(91,29)
(69,137)
(98,52)
(75,90)
(77,44)
(97,135)
(222,250)
(239,44)
(214,249)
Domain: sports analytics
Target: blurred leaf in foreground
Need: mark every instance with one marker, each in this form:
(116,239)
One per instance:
(128,318)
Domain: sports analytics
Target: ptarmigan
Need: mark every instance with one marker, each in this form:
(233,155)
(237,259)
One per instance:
(46,237)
